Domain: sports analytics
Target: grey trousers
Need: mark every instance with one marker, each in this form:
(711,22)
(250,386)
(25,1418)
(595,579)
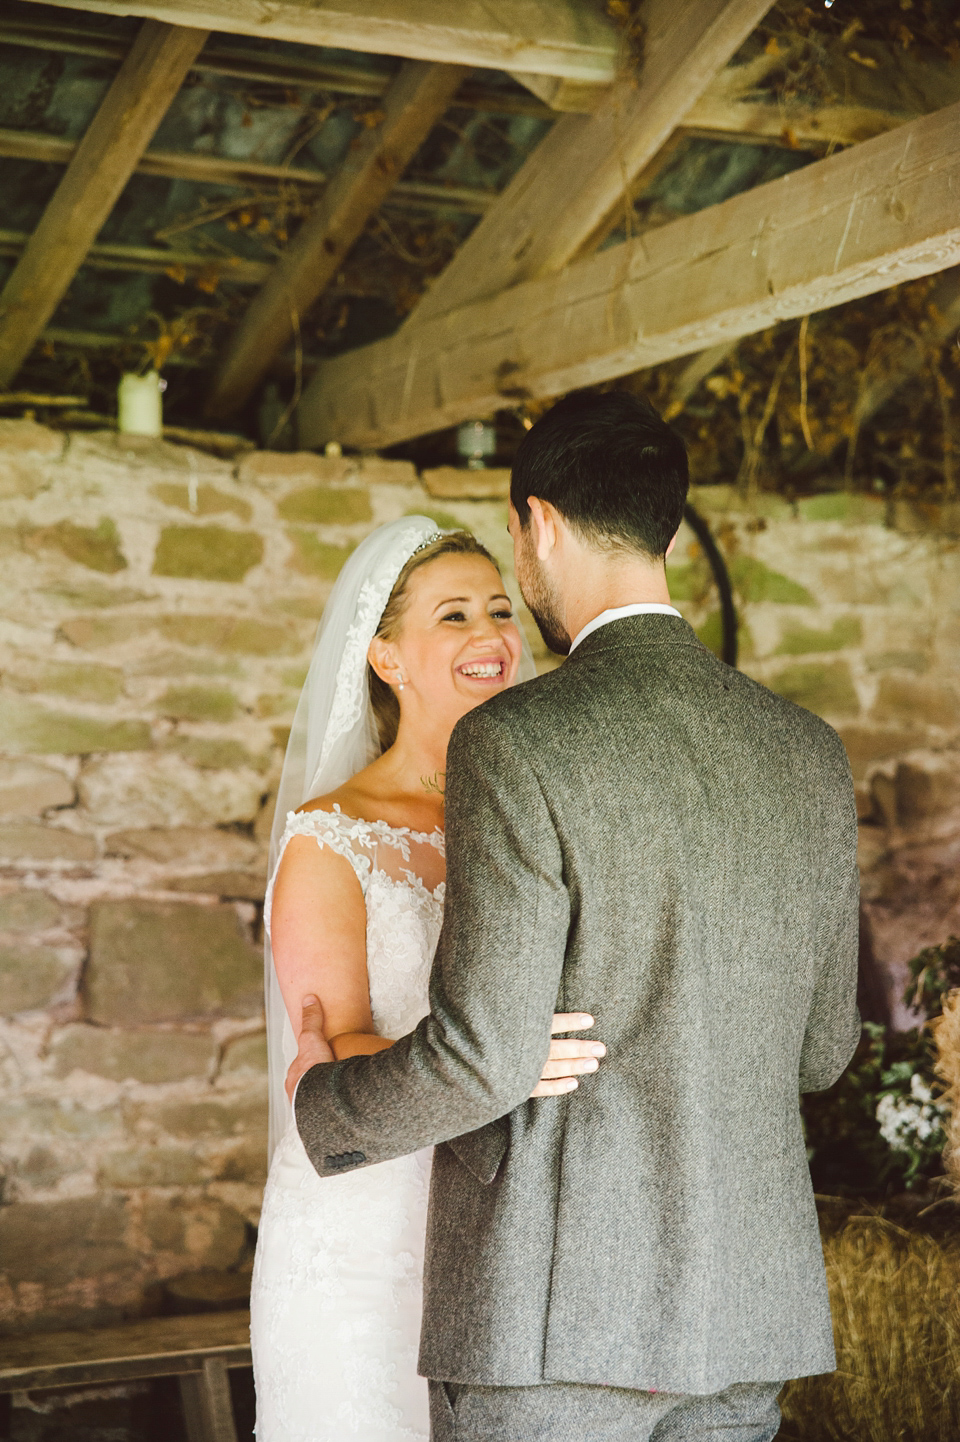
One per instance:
(569,1412)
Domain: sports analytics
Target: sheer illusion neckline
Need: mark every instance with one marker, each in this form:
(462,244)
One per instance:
(432,838)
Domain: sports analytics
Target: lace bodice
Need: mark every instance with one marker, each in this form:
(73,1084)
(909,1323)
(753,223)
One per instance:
(404,912)
(336,1298)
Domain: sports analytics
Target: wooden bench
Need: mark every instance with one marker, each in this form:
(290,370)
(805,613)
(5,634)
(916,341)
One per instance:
(198,1350)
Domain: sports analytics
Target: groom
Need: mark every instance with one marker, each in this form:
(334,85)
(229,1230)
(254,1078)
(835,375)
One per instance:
(649,836)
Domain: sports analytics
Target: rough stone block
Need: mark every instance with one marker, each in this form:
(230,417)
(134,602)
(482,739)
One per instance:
(97,593)
(246,1053)
(31,976)
(866,745)
(268,469)
(25,910)
(58,1242)
(146,1056)
(26,438)
(755,581)
(209,500)
(196,845)
(845,632)
(164,790)
(205,1232)
(234,885)
(917,699)
(238,634)
(96,633)
(21,479)
(922,788)
(82,683)
(198,703)
(448,483)
(215,753)
(848,506)
(169,961)
(207,553)
(327,506)
(243,1162)
(32,841)
(28,788)
(151,1167)
(916,661)
(27,727)
(828,690)
(242,1116)
(96,547)
(313,557)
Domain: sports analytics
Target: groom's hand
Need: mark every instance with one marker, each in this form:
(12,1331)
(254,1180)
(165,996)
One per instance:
(313,1045)
(568,1059)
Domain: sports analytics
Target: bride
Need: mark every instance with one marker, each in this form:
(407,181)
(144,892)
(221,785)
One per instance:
(417,632)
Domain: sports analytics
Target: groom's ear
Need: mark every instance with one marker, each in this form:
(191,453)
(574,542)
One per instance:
(543,519)
(671,545)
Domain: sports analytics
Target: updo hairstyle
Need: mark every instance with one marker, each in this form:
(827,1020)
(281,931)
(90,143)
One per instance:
(386,707)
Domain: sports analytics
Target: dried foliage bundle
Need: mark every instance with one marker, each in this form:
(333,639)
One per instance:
(947,1038)
(895,1297)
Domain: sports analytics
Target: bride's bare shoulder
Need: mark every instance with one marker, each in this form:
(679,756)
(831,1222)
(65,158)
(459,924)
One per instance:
(348,800)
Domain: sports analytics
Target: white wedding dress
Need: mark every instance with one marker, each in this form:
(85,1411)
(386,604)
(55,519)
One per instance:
(337,1283)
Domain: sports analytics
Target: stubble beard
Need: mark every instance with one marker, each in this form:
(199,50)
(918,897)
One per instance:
(541,599)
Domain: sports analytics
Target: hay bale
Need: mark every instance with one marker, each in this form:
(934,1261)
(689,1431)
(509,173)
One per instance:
(894,1293)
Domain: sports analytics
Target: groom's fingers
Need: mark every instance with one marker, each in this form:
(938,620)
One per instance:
(575,1047)
(570,1066)
(570,1021)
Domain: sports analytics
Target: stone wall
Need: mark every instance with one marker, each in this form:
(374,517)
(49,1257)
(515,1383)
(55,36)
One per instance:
(157,608)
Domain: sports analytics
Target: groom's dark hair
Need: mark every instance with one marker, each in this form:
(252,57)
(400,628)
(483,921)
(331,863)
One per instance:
(614,470)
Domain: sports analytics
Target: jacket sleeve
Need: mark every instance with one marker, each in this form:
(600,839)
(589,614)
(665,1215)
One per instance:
(833,1024)
(495,978)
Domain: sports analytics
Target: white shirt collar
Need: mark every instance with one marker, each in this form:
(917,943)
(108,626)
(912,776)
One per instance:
(640,608)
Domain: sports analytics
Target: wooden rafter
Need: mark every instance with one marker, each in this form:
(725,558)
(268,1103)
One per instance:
(220,170)
(581,171)
(154,260)
(119,133)
(546,37)
(865,219)
(412,106)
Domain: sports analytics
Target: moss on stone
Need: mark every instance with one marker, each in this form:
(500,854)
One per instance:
(207,553)
(209,500)
(198,703)
(842,506)
(313,557)
(96,547)
(83,683)
(151,1167)
(797,640)
(690,581)
(755,581)
(28,728)
(327,506)
(443,520)
(826,689)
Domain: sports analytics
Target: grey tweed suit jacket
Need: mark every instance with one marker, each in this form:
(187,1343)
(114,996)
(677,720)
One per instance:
(650,836)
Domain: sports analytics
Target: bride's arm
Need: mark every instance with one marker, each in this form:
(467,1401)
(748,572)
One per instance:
(319,937)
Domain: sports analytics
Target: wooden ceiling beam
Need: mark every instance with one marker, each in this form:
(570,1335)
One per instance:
(155,260)
(861,221)
(586,166)
(545,37)
(103,162)
(412,106)
(266,68)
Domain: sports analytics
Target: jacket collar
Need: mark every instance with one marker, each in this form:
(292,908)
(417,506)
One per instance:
(632,632)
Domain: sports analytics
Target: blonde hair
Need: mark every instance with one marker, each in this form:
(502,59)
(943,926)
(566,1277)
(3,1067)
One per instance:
(386,707)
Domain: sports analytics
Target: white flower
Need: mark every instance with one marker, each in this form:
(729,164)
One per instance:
(906,1123)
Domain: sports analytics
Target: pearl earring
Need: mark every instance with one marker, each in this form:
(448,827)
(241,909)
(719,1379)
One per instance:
(400,684)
